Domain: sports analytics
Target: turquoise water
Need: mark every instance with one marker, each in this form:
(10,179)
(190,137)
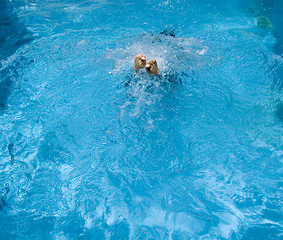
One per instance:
(92,150)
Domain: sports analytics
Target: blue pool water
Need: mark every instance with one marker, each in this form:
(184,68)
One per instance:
(91,150)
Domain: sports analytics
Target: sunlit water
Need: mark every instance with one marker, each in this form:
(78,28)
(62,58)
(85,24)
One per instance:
(91,149)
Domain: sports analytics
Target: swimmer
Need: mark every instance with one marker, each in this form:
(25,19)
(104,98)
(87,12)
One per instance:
(140,61)
(151,66)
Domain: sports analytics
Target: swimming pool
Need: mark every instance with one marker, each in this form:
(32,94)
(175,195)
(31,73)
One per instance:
(91,150)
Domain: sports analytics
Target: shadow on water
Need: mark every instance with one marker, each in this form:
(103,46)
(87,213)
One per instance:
(273,11)
(13,34)
(5,89)
(268,18)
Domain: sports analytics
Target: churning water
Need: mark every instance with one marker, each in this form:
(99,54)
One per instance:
(91,149)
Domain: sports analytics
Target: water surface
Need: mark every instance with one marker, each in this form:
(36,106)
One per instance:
(92,150)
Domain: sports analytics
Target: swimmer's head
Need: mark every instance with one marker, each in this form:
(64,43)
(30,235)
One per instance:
(151,66)
(140,61)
